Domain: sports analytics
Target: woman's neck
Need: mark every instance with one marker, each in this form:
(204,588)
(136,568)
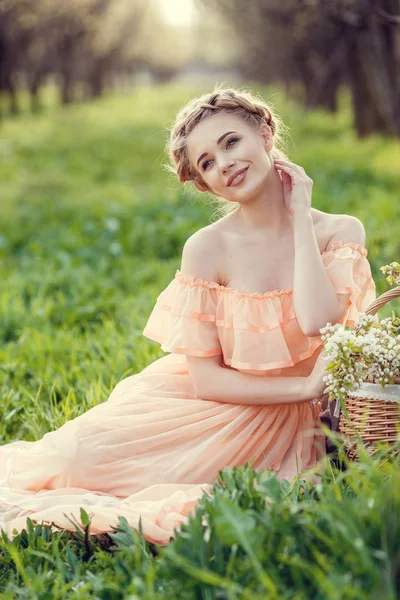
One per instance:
(266,210)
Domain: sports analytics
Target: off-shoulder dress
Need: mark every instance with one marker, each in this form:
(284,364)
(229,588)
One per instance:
(154,446)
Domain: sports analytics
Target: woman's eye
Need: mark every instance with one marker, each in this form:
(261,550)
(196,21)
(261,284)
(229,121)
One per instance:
(228,144)
(231,140)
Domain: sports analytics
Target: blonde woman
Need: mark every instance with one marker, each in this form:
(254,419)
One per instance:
(240,320)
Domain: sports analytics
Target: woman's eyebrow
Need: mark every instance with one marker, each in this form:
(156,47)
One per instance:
(218,142)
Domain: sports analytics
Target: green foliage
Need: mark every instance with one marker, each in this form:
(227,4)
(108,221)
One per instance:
(253,536)
(92,229)
(259,535)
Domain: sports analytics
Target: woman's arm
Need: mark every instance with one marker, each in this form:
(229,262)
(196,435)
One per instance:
(212,381)
(314,297)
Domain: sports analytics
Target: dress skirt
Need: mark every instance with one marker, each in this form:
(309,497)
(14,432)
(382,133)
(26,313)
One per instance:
(151,450)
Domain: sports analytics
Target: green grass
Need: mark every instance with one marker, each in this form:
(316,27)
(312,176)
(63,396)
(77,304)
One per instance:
(92,229)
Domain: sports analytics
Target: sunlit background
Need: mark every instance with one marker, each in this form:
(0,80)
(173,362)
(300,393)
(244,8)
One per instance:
(312,49)
(180,13)
(92,228)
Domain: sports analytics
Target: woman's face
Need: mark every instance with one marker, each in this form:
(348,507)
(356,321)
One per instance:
(222,145)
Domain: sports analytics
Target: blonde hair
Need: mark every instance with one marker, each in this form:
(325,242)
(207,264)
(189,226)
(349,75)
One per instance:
(244,103)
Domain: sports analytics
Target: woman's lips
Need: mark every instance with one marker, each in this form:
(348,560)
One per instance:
(239,178)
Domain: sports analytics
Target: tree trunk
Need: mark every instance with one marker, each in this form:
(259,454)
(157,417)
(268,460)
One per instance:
(66,90)
(34,88)
(325,85)
(305,75)
(326,96)
(67,70)
(7,77)
(10,87)
(373,79)
(96,81)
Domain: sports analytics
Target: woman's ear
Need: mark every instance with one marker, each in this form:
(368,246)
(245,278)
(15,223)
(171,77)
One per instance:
(267,136)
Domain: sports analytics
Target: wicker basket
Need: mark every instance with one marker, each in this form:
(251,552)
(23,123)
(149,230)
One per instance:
(374,420)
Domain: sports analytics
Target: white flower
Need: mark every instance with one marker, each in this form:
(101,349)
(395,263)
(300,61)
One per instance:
(369,352)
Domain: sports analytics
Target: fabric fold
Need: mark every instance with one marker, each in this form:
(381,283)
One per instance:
(150,451)
(154,447)
(349,270)
(255,332)
(183,320)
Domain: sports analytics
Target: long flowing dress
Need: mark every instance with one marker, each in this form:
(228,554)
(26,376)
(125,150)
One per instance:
(154,447)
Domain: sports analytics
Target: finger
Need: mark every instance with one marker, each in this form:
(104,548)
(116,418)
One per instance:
(292,172)
(286,163)
(290,164)
(295,169)
(287,183)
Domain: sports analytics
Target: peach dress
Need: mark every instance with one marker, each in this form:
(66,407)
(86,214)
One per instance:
(154,447)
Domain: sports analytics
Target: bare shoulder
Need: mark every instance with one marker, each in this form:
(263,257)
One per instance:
(325,222)
(345,228)
(200,254)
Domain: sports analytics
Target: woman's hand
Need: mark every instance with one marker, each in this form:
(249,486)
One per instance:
(315,379)
(297,186)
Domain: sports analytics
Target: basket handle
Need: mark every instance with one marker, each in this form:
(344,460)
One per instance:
(382,300)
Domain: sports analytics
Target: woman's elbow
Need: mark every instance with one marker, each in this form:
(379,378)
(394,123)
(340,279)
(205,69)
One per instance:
(203,375)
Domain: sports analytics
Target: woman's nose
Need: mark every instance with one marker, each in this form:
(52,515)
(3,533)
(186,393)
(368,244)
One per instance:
(224,165)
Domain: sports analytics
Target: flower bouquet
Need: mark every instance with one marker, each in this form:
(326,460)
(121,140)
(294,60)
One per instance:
(364,373)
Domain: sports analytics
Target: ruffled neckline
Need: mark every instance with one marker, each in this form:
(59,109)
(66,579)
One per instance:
(198,281)
(337,244)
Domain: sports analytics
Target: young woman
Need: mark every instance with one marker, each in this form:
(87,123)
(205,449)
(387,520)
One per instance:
(241,320)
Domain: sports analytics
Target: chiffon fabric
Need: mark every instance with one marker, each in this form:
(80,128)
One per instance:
(154,447)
